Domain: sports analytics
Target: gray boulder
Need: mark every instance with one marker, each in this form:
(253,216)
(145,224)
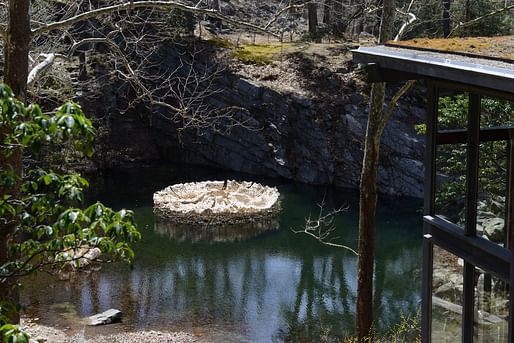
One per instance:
(493,229)
(108,317)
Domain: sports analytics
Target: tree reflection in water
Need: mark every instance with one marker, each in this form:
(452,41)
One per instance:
(274,286)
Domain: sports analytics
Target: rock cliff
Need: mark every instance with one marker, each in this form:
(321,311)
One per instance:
(305,121)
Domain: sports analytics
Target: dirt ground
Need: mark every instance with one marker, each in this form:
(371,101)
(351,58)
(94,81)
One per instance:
(41,334)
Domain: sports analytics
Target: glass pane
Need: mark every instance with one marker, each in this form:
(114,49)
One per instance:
(492,186)
(496,113)
(446,297)
(493,171)
(452,110)
(451,158)
(451,182)
(492,309)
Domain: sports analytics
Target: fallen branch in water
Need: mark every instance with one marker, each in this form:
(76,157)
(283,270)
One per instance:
(322,227)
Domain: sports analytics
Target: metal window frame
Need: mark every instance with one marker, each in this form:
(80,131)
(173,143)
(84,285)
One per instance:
(463,242)
(475,77)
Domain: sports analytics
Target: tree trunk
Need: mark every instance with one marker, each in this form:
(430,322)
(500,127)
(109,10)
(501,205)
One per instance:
(217,22)
(337,14)
(327,12)
(467,11)
(367,207)
(446,18)
(312,13)
(16,70)
(16,50)
(83,66)
(368,191)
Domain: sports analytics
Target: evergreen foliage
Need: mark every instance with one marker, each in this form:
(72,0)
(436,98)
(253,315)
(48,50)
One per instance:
(44,207)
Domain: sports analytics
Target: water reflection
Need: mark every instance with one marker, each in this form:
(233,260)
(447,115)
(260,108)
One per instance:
(214,233)
(276,286)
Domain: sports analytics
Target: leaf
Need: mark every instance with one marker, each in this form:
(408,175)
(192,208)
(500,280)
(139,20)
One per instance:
(13,333)
(73,216)
(47,222)
(70,122)
(88,150)
(47,179)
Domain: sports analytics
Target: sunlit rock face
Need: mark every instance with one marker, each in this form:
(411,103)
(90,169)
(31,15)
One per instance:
(216,203)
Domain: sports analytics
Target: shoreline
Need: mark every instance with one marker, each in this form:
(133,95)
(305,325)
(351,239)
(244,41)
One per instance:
(41,334)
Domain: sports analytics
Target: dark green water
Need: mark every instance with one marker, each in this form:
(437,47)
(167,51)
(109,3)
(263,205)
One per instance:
(277,286)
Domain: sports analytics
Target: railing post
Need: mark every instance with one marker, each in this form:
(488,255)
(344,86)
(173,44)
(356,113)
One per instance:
(429,209)
(470,228)
(509,211)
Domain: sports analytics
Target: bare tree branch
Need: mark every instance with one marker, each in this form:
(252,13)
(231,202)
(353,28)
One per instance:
(479,19)
(279,13)
(179,91)
(3,26)
(131,76)
(394,100)
(45,258)
(165,5)
(410,18)
(36,72)
(322,227)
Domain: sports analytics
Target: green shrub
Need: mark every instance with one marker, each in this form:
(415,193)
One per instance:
(407,330)
(46,220)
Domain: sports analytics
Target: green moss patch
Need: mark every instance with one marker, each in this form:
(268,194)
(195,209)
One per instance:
(499,47)
(259,54)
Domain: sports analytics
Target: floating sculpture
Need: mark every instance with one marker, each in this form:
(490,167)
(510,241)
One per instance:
(217,203)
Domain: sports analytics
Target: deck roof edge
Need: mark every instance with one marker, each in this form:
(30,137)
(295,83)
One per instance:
(426,66)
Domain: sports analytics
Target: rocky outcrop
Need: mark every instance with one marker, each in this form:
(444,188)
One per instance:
(297,138)
(285,141)
(312,134)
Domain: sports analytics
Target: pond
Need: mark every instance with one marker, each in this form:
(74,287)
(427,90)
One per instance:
(276,286)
